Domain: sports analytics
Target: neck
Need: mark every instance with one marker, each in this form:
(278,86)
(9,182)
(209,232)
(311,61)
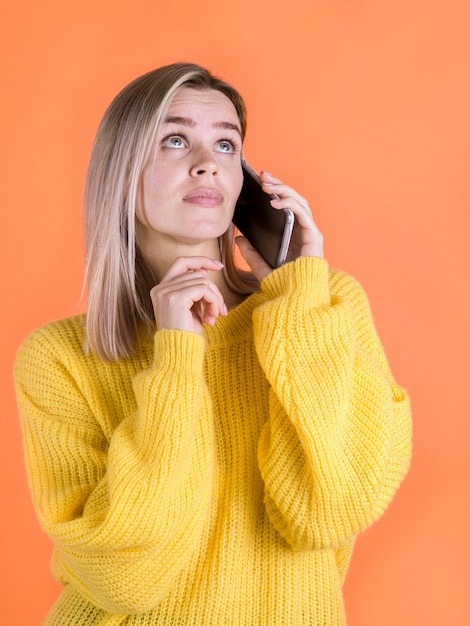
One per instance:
(168,252)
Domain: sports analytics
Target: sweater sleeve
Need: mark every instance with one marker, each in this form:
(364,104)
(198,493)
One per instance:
(125,512)
(337,443)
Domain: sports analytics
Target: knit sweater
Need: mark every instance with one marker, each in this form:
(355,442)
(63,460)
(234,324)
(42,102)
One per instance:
(217,480)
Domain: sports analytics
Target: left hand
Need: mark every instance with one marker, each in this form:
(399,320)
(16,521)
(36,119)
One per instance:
(307,240)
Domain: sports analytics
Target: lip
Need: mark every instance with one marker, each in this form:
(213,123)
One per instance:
(204,196)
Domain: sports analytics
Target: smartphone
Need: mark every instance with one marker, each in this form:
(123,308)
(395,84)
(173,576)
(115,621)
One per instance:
(268,230)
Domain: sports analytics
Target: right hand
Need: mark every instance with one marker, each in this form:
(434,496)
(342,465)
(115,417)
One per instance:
(186,297)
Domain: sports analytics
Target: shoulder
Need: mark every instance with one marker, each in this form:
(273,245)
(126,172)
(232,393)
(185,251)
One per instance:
(56,341)
(343,282)
(58,334)
(310,280)
(305,272)
(346,287)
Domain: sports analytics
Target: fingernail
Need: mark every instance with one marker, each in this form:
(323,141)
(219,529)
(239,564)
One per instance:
(218,263)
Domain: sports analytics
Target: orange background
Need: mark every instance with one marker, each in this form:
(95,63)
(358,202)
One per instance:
(363,106)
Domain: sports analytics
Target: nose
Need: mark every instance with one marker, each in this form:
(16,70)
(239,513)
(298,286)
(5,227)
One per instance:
(204,163)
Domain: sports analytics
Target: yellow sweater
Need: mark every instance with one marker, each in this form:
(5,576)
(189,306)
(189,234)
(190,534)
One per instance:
(216,481)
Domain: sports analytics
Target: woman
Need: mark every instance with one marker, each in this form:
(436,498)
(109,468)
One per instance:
(205,445)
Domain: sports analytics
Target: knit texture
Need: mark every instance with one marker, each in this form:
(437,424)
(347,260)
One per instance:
(216,481)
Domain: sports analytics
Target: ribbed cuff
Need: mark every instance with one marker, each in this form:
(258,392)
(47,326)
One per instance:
(179,349)
(307,277)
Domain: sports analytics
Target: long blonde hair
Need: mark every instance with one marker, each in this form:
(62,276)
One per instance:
(118,279)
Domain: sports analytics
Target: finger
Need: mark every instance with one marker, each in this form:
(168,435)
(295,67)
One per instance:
(302,213)
(273,185)
(307,238)
(182,265)
(213,304)
(288,198)
(184,294)
(257,264)
(310,239)
(188,289)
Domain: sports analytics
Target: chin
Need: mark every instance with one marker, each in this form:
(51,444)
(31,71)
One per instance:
(206,232)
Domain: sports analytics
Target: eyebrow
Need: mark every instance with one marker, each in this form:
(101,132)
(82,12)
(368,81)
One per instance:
(187,121)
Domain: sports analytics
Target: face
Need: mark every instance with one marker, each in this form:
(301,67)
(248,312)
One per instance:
(193,178)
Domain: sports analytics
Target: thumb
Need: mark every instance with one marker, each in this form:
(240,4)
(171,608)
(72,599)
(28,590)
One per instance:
(257,264)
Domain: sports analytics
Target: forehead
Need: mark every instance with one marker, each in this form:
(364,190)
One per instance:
(199,103)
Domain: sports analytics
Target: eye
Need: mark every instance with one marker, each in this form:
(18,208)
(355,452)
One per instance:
(225,145)
(173,141)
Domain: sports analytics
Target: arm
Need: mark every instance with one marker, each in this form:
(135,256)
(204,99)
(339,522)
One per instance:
(337,443)
(125,510)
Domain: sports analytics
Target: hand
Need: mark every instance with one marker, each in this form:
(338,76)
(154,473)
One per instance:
(186,297)
(307,240)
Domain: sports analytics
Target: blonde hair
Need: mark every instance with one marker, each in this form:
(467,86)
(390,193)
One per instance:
(118,279)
